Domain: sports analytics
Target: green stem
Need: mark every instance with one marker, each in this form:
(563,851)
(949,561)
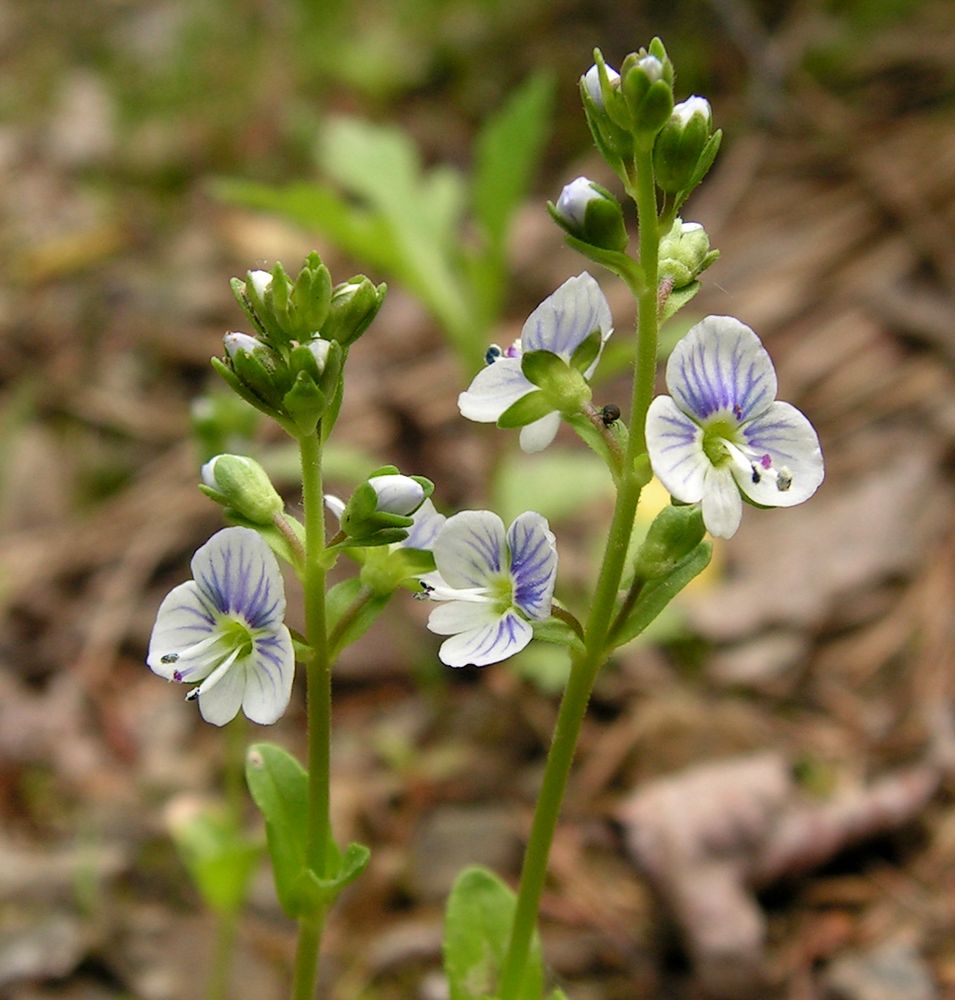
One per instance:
(319,706)
(226,926)
(306,957)
(584,669)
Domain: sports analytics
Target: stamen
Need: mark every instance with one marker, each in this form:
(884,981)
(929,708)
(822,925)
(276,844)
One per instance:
(169,658)
(492,354)
(784,479)
(210,682)
(756,475)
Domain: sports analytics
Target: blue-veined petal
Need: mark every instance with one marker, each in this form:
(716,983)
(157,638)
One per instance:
(493,390)
(533,564)
(268,677)
(237,572)
(461,616)
(567,317)
(675,445)
(470,548)
(720,368)
(185,618)
(784,434)
(489,643)
(426,523)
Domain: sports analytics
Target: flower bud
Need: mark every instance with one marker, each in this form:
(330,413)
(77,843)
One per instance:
(354,304)
(256,367)
(242,485)
(397,494)
(675,532)
(681,144)
(647,86)
(591,82)
(685,253)
(590,213)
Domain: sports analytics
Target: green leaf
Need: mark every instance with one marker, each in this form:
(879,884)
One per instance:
(657,594)
(350,598)
(527,409)
(677,299)
(508,149)
(219,857)
(279,786)
(476,929)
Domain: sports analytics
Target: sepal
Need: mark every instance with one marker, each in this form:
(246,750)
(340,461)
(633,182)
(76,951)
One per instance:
(530,407)
(305,403)
(354,304)
(685,253)
(241,485)
(680,145)
(674,533)
(590,213)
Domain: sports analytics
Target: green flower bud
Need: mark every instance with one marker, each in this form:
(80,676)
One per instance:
(354,304)
(600,91)
(681,143)
(591,214)
(685,253)
(675,532)
(384,504)
(646,83)
(257,367)
(242,485)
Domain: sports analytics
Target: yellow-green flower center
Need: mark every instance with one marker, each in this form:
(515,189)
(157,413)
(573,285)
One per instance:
(236,634)
(501,592)
(715,436)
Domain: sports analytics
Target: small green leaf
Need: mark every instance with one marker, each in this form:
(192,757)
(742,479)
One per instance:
(527,409)
(556,631)
(657,594)
(352,610)
(476,930)
(677,299)
(508,149)
(279,786)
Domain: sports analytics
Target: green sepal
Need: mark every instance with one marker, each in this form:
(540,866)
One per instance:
(597,441)
(301,359)
(704,163)
(677,299)
(416,561)
(384,536)
(331,376)
(265,381)
(526,410)
(542,368)
(657,594)
(674,533)
(477,926)
(341,599)
(305,403)
(586,351)
(238,287)
(219,856)
(279,786)
(354,305)
(244,392)
(311,295)
(555,631)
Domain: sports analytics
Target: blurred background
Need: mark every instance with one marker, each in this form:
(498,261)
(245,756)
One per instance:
(149,152)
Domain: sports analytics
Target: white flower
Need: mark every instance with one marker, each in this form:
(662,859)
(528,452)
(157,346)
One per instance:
(494,585)
(235,342)
(224,629)
(426,522)
(559,325)
(261,282)
(319,349)
(722,432)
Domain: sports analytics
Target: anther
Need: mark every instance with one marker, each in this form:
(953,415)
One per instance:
(756,475)
(169,658)
(492,354)
(193,694)
(784,479)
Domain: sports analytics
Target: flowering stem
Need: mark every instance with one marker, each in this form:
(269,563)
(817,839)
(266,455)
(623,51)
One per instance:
(584,668)
(319,706)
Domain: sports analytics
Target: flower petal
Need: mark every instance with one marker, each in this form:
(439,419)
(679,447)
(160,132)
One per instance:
(238,574)
(722,504)
(493,390)
(538,435)
(268,678)
(675,445)
(455,617)
(488,644)
(220,704)
(533,563)
(426,523)
(720,368)
(185,617)
(470,548)
(567,317)
(785,434)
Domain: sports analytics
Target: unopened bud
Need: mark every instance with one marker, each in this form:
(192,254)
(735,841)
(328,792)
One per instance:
(354,304)
(241,484)
(685,253)
(683,150)
(590,213)
(397,494)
